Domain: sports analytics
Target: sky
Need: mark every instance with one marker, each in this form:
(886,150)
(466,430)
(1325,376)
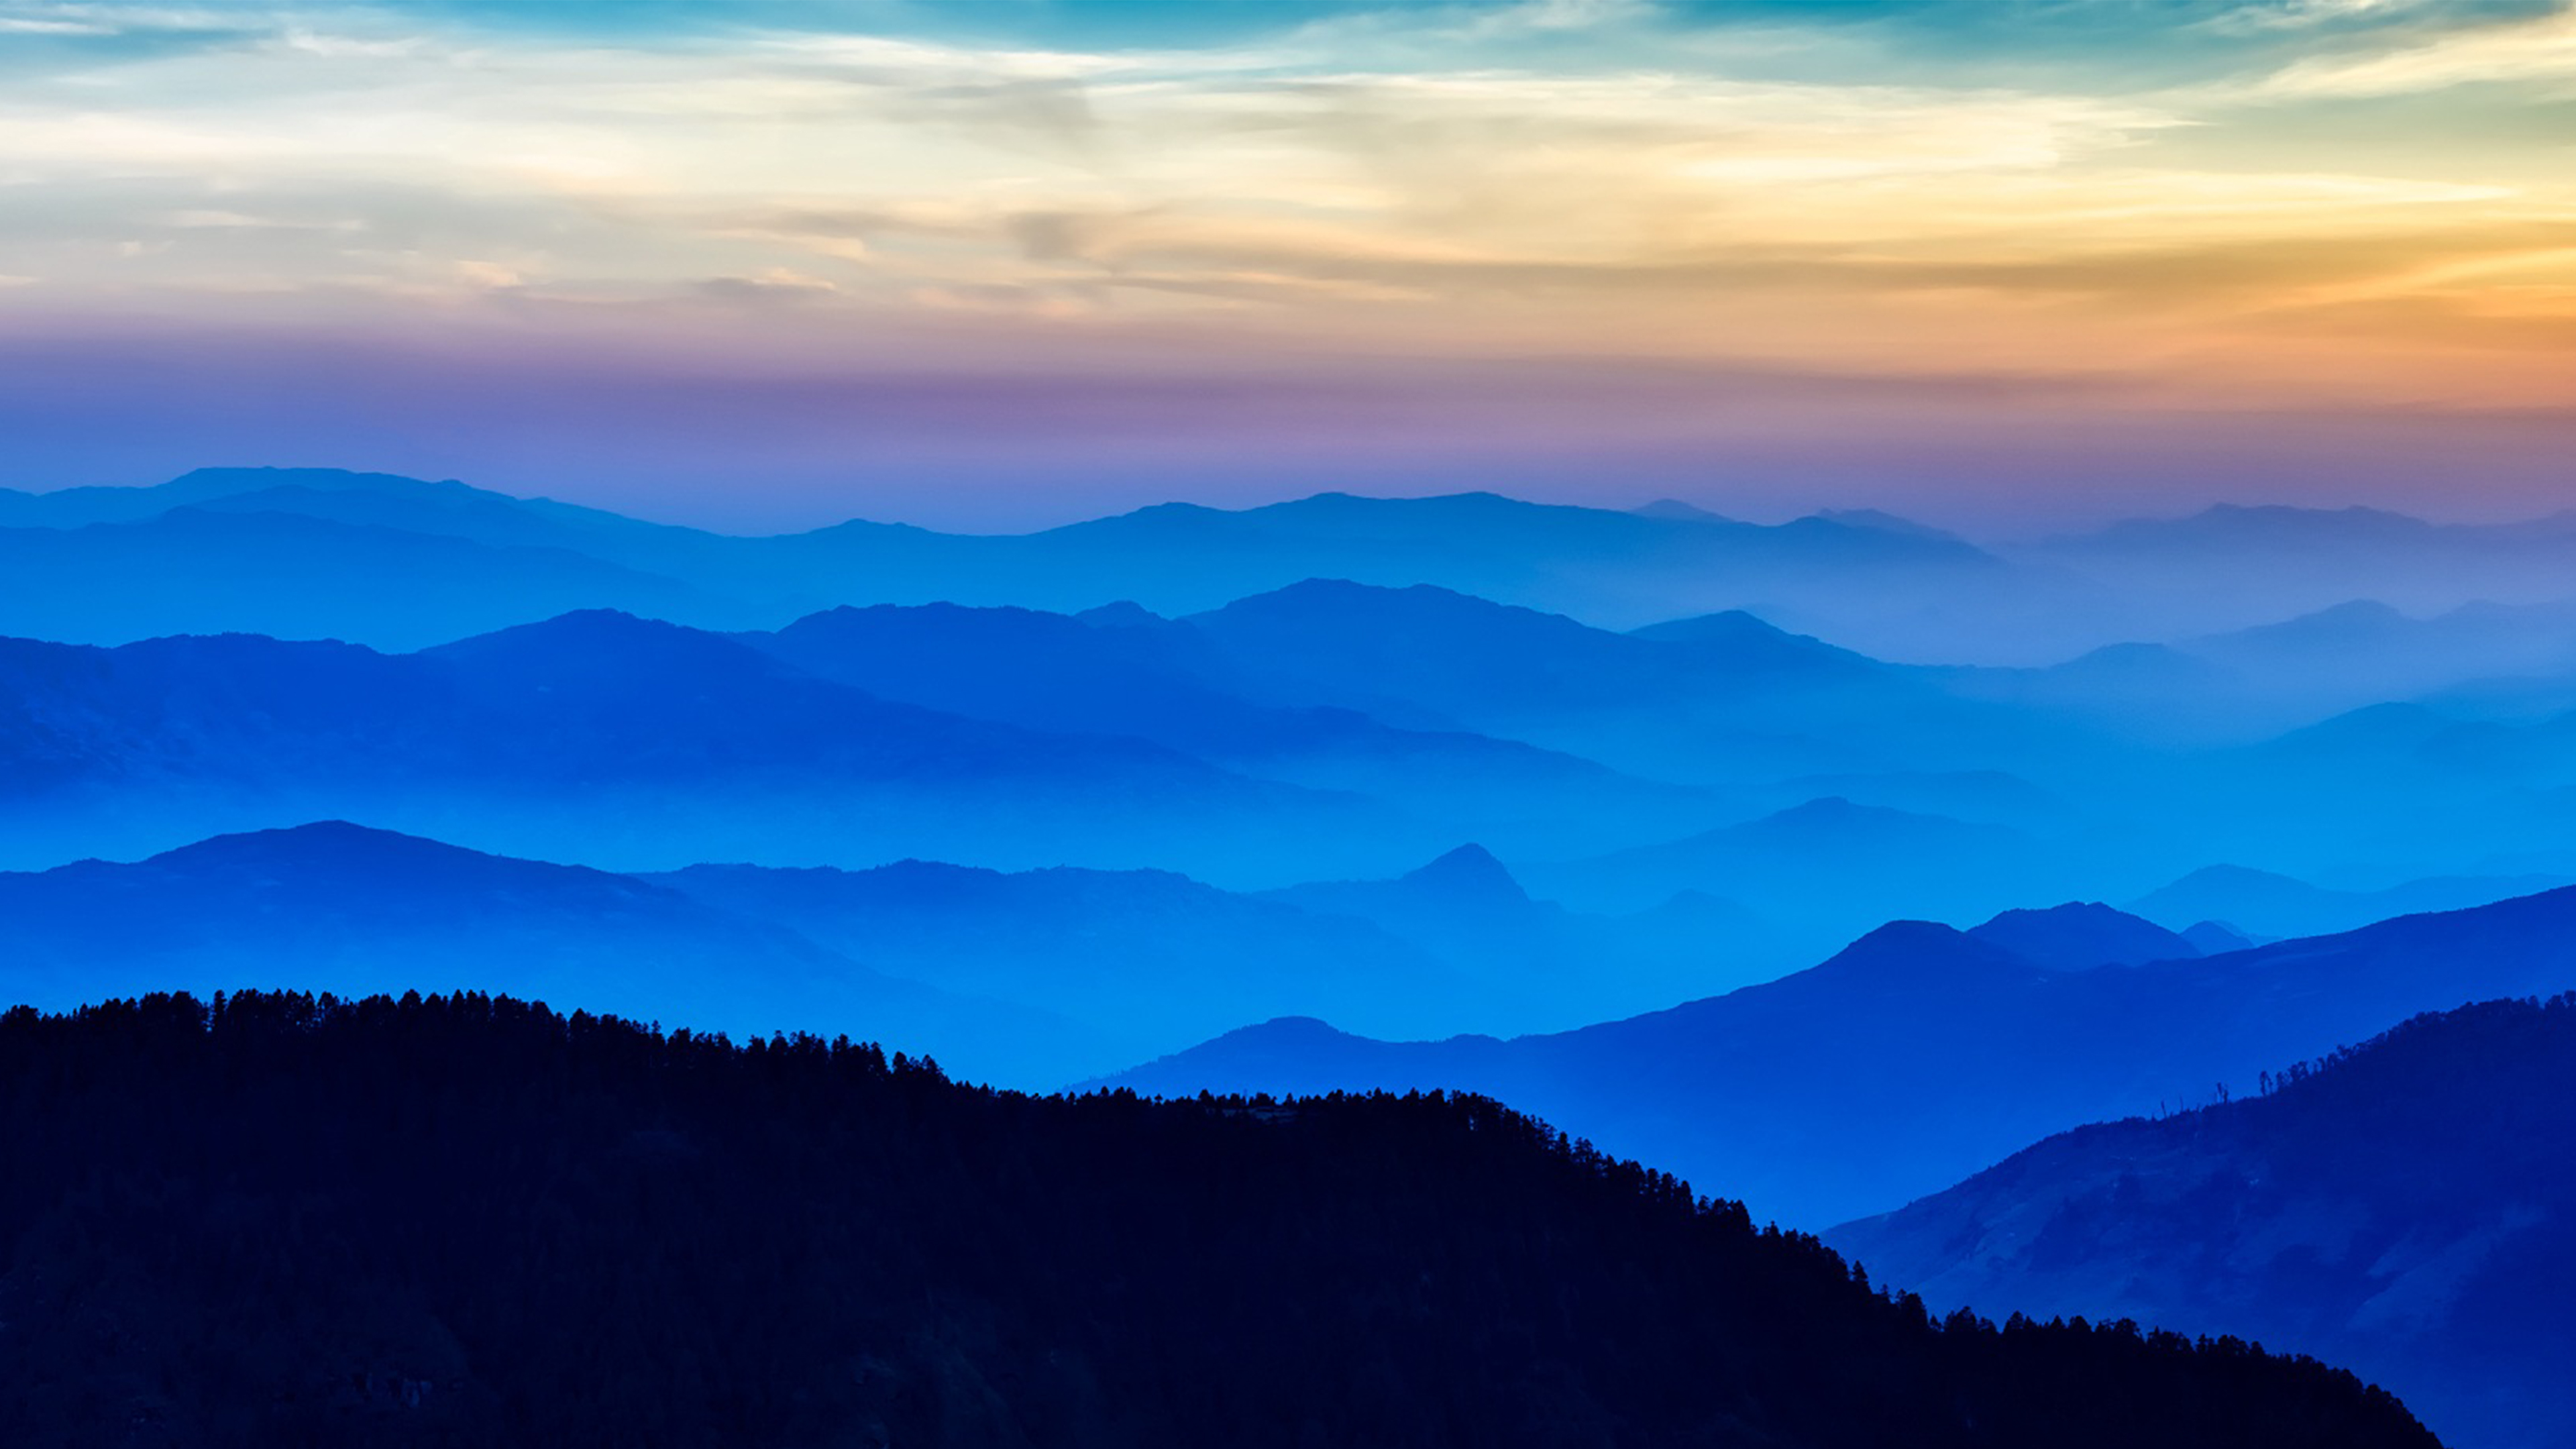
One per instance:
(1007,262)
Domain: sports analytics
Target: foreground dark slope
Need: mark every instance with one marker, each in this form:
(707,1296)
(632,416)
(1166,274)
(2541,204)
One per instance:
(1921,1054)
(467,1222)
(2407,1207)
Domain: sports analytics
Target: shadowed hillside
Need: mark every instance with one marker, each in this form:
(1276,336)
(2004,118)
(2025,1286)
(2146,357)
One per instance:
(2406,1206)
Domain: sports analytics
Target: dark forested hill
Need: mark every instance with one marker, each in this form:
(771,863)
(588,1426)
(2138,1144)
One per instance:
(2408,1207)
(461,1221)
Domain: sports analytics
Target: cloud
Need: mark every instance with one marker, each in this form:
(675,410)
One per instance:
(777,284)
(1562,177)
(2290,15)
(2527,49)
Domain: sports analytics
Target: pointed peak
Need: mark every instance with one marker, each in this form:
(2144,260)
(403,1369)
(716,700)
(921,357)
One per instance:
(1122,614)
(1908,949)
(599,640)
(2217,938)
(1468,870)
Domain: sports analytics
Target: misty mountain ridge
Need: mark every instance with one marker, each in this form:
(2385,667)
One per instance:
(1826,859)
(2277,905)
(333,906)
(1175,558)
(1829,573)
(1173,685)
(1862,1050)
(1029,979)
(554,738)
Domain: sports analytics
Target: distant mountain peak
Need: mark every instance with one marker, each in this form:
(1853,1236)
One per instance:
(1750,640)
(209,482)
(1470,871)
(597,621)
(1122,614)
(1918,952)
(2262,522)
(601,639)
(318,837)
(374,858)
(1835,809)
(2080,935)
(2217,938)
(1880,521)
(1287,1027)
(1319,602)
(1674,510)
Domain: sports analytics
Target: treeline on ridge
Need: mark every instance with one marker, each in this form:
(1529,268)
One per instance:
(279,1220)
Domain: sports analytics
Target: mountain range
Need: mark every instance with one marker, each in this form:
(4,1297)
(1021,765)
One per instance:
(290,551)
(335,907)
(1920,1053)
(1439,795)
(230,524)
(1030,979)
(606,738)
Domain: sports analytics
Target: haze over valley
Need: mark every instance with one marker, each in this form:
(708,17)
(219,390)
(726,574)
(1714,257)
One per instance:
(1824,865)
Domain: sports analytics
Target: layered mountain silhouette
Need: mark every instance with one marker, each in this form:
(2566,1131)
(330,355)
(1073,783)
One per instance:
(1135,675)
(1829,861)
(2286,561)
(2269,904)
(2405,1207)
(1132,955)
(338,907)
(1347,645)
(1870,580)
(1921,1054)
(1621,568)
(1044,806)
(1709,700)
(299,576)
(1575,967)
(620,741)
(1032,979)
